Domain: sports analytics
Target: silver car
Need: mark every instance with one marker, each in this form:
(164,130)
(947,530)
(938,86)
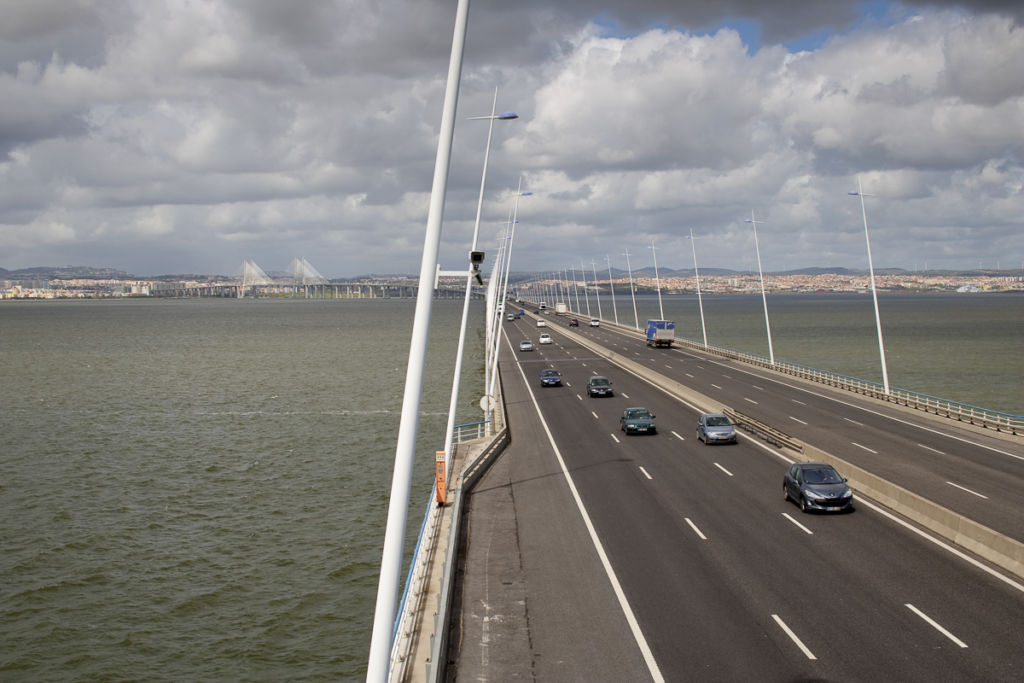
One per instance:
(715,428)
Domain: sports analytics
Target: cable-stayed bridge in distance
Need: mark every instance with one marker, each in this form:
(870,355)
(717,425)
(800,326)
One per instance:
(302,279)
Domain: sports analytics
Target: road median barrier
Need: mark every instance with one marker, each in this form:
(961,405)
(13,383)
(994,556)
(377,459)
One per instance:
(764,431)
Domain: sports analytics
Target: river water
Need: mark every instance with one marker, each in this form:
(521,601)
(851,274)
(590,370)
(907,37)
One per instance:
(197,489)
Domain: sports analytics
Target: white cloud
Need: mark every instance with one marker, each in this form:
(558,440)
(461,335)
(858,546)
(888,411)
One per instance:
(212,132)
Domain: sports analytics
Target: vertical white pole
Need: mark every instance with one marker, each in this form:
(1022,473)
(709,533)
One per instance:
(764,296)
(632,290)
(615,310)
(700,299)
(874,292)
(394,536)
(657,280)
(597,291)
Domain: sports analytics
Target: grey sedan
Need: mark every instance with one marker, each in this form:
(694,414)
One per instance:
(715,428)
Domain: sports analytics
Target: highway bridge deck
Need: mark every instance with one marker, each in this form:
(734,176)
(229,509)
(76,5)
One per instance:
(594,556)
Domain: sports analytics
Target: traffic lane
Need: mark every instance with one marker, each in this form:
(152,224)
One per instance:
(983,485)
(842,582)
(773,550)
(686,633)
(961,478)
(564,581)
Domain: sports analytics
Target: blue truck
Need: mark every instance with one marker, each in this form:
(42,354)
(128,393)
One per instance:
(660,332)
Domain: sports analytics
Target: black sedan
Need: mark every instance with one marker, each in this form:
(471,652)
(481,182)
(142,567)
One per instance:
(574,322)
(817,486)
(550,378)
(599,386)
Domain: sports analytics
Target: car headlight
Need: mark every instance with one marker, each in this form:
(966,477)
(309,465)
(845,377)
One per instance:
(813,495)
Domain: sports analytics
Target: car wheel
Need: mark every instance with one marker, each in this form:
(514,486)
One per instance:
(785,493)
(803,504)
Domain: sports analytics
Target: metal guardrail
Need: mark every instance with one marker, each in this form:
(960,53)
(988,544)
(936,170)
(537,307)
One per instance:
(762,430)
(990,419)
(469,431)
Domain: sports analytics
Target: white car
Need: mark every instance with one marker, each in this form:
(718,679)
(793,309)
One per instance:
(541,323)
(545,338)
(526,345)
(594,322)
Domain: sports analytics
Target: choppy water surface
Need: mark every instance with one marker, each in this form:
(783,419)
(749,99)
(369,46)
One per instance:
(197,490)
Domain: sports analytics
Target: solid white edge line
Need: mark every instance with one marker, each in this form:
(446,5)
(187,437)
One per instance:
(695,529)
(634,625)
(805,529)
(936,625)
(792,636)
(723,469)
(645,473)
(964,488)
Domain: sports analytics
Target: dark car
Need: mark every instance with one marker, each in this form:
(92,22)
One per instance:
(715,428)
(599,386)
(574,323)
(817,486)
(550,378)
(637,421)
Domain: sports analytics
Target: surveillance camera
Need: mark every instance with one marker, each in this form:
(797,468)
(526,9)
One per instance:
(476,258)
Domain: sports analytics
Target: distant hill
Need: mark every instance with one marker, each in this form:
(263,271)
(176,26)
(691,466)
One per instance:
(65,273)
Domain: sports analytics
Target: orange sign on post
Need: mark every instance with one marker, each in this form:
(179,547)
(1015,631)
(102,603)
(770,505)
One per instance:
(442,486)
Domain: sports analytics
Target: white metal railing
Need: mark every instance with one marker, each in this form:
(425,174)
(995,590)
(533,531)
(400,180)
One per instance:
(469,431)
(964,412)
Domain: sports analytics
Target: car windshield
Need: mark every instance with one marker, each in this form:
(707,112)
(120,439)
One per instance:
(638,413)
(599,382)
(822,476)
(549,373)
(718,421)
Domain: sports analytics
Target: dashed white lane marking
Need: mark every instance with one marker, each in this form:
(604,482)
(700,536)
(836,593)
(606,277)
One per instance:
(695,529)
(723,469)
(645,473)
(806,530)
(615,438)
(869,450)
(797,402)
(964,488)
(859,424)
(625,395)
(938,627)
(929,448)
(792,636)
(795,419)
(595,415)
(716,386)
(689,375)
(678,437)
(750,400)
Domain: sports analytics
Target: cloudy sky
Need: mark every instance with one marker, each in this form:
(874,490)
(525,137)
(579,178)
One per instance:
(185,136)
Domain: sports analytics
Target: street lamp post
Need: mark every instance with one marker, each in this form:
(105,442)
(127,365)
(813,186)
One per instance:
(474,266)
(597,291)
(632,290)
(611,286)
(382,635)
(657,280)
(874,292)
(504,291)
(583,274)
(764,297)
(700,299)
(575,288)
